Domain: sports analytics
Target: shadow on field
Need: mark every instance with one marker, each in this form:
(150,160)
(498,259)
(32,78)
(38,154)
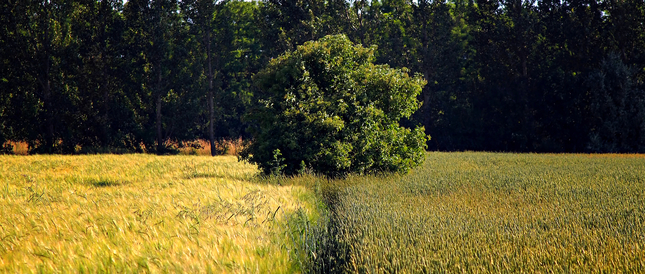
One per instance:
(210,176)
(107,183)
(318,241)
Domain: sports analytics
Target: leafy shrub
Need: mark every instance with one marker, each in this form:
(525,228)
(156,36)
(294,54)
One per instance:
(326,107)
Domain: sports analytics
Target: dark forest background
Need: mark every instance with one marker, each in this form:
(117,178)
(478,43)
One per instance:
(503,75)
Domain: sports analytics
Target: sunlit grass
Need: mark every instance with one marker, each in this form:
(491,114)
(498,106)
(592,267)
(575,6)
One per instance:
(131,213)
(459,212)
(488,212)
(203,147)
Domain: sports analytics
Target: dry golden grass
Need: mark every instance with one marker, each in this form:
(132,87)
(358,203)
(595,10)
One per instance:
(203,147)
(198,147)
(19,148)
(141,213)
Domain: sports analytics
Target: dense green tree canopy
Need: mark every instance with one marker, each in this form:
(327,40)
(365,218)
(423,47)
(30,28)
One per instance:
(327,107)
(503,75)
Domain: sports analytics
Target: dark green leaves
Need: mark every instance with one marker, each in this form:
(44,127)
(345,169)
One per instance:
(327,105)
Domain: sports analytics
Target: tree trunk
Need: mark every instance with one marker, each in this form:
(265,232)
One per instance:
(106,107)
(105,123)
(158,109)
(211,104)
(46,83)
(427,71)
(49,116)
(360,13)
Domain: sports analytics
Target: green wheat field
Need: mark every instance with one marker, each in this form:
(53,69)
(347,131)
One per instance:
(459,212)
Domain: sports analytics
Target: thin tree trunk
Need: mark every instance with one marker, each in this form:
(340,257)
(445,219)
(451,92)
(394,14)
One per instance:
(47,94)
(427,73)
(211,106)
(49,117)
(106,108)
(360,14)
(158,120)
(107,138)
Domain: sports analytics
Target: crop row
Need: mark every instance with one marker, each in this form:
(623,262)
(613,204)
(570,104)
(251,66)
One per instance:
(485,212)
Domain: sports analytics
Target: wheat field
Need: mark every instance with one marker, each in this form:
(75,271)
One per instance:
(142,213)
(469,212)
(476,212)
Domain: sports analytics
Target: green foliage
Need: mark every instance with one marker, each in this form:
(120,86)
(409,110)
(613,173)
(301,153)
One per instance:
(328,105)
(277,166)
(502,76)
(618,105)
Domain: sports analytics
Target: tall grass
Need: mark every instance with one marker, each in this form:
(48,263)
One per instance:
(142,213)
(487,212)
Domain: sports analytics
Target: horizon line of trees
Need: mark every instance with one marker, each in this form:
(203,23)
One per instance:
(503,75)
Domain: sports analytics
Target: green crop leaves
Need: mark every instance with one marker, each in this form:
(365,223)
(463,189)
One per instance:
(488,212)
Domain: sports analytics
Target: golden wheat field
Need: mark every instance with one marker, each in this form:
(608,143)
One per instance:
(142,213)
(459,212)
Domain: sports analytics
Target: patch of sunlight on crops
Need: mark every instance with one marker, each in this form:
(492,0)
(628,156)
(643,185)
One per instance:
(488,212)
(131,213)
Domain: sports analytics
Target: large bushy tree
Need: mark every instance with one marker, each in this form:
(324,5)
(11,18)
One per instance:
(327,107)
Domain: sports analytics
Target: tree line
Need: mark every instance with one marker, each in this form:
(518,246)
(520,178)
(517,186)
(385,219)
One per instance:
(503,75)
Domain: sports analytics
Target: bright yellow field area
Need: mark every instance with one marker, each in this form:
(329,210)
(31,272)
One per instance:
(142,213)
